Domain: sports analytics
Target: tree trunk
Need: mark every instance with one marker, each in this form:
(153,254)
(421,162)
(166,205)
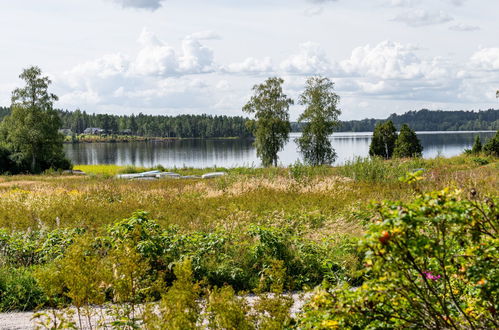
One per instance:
(33,163)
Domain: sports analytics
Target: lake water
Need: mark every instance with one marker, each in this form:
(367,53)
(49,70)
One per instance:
(232,153)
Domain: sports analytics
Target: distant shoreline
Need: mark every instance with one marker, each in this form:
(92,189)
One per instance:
(126,139)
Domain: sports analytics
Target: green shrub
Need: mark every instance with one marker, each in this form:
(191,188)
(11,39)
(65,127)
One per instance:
(407,144)
(480,161)
(491,148)
(378,170)
(227,311)
(432,263)
(179,307)
(132,262)
(477,146)
(19,290)
(130,169)
(22,249)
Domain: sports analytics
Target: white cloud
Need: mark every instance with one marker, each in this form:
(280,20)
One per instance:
(81,98)
(313,11)
(157,58)
(223,85)
(402,3)
(154,58)
(155,77)
(386,60)
(205,35)
(391,70)
(457,2)
(140,4)
(251,65)
(460,27)
(311,59)
(321,1)
(486,59)
(422,17)
(196,58)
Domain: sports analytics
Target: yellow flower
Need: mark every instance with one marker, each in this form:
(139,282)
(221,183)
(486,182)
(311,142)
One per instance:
(330,324)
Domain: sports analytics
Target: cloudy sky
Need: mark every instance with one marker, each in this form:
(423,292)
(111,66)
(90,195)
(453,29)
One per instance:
(203,56)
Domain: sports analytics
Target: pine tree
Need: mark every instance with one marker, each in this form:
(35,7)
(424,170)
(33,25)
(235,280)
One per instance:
(477,146)
(407,143)
(492,146)
(383,141)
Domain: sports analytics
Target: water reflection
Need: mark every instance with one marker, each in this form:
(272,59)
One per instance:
(230,153)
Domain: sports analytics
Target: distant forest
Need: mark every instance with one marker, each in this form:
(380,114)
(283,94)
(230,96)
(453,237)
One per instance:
(432,120)
(182,126)
(207,126)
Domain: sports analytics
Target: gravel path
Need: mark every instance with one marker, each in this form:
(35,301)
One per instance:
(16,321)
(22,320)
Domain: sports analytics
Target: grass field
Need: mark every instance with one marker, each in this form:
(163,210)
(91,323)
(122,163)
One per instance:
(332,198)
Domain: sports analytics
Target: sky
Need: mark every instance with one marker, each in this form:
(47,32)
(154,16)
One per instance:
(204,56)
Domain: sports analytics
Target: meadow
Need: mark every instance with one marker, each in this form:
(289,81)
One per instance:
(253,230)
(330,197)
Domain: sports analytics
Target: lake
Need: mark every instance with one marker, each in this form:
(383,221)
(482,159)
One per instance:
(202,153)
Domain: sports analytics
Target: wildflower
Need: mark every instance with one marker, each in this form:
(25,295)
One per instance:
(430,276)
(330,324)
(481,282)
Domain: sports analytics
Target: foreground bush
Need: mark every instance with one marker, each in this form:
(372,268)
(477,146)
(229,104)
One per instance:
(432,264)
(19,290)
(491,148)
(132,261)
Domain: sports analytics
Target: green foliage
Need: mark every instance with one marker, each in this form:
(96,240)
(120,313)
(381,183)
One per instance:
(271,129)
(35,247)
(407,144)
(491,148)
(383,142)
(320,118)
(227,311)
(273,310)
(133,261)
(481,161)
(130,169)
(55,319)
(30,132)
(477,146)
(375,169)
(19,290)
(431,263)
(179,307)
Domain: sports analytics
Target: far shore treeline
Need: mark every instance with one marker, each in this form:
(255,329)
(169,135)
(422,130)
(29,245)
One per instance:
(208,126)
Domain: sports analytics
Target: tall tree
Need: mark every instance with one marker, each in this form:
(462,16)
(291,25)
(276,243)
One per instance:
(30,132)
(383,141)
(270,107)
(407,143)
(320,119)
